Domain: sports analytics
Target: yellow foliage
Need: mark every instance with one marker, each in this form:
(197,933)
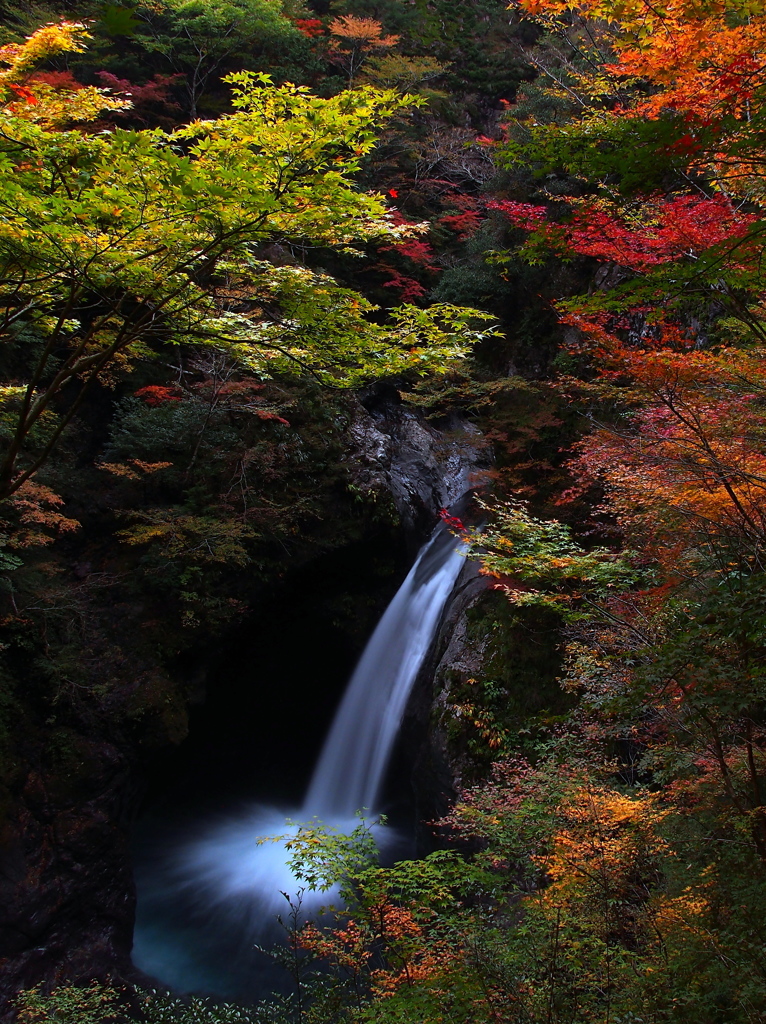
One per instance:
(21,95)
(604,837)
(48,41)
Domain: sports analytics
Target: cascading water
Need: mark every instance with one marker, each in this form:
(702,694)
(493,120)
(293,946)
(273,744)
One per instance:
(352,766)
(224,870)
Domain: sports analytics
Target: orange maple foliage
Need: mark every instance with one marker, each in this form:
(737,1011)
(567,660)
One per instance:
(346,947)
(365,32)
(133,468)
(410,951)
(699,65)
(691,52)
(353,40)
(38,520)
(688,466)
(700,59)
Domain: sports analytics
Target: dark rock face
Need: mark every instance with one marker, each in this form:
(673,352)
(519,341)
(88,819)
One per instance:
(394,450)
(69,789)
(436,778)
(66,892)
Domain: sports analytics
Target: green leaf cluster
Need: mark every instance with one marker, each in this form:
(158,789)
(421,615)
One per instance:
(541,563)
(115,244)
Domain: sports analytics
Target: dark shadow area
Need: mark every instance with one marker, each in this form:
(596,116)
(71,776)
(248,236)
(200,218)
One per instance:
(271,693)
(270,696)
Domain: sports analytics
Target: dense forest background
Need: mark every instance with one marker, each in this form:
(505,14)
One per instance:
(223,225)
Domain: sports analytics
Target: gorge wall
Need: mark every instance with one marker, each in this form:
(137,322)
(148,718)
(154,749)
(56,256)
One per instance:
(67,899)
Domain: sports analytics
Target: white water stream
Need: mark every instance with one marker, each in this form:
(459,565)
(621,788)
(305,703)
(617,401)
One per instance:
(352,767)
(224,867)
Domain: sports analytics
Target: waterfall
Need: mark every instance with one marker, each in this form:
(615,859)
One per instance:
(352,766)
(220,890)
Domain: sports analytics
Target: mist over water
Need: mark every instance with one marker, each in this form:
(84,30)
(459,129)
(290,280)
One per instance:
(213,891)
